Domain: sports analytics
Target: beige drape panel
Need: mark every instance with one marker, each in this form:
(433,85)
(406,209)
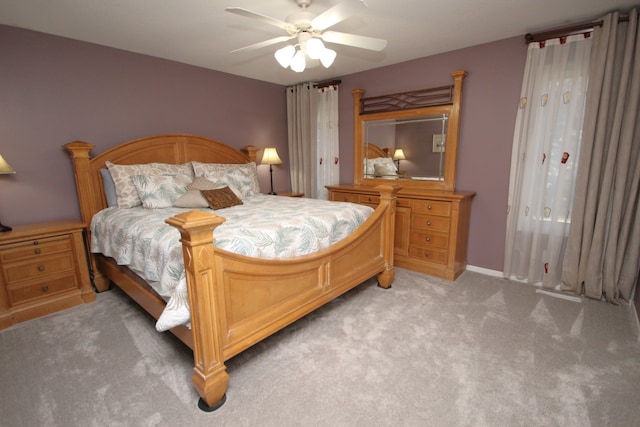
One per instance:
(302,131)
(602,257)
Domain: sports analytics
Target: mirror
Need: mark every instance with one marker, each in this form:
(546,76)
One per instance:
(411,136)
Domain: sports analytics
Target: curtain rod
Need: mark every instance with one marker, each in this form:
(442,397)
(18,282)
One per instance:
(327,83)
(567,31)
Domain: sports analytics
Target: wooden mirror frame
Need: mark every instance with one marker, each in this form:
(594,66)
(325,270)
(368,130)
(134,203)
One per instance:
(426,102)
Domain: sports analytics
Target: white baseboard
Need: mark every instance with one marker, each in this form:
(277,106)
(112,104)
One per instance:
(484,271)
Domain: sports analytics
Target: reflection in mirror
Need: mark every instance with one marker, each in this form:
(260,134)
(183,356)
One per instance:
(406,148)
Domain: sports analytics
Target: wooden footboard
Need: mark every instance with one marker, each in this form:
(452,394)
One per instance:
(237,301)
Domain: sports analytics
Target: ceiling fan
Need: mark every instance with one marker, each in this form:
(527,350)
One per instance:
(310,31)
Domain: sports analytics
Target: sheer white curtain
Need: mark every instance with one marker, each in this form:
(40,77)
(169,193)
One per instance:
(544,159)
(328,147)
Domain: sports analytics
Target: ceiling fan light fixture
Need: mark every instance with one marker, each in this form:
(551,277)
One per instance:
(298,63)
(285,55)
(315,48)
(327,57)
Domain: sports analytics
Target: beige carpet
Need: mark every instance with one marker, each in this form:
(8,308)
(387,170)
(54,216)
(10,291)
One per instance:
(476,352)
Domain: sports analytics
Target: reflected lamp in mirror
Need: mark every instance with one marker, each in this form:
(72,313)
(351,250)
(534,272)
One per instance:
(270,157)
(398,155)
(5,168)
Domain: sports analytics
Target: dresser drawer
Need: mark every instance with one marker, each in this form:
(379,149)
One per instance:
(369,199)
(430,239)
(37,268)
(430,222)
(429,254)
(346,197)
(432,207)
(32,249)
(41,289)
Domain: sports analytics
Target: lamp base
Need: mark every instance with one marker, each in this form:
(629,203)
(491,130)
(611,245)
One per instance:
(273,193)
(4,228)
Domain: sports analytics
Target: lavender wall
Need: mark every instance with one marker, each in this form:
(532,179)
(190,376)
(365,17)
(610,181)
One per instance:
(490,98)
(56,90)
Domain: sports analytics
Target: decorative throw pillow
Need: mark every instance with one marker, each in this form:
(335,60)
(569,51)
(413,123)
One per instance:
(221,198)
(202,183)
(383,170)
(191,199)
(126,190)
(244,177)
(160,191)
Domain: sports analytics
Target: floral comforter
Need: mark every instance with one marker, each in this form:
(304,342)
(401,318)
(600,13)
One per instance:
(263,227)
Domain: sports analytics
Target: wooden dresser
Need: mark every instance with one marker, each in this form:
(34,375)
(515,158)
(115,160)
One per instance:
(43,269)
(431,229)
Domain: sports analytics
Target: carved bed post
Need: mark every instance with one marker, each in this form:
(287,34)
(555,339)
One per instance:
(388,194)
(88,198)
(207,306)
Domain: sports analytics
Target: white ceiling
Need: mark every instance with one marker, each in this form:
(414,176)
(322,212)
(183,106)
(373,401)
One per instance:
(201,33)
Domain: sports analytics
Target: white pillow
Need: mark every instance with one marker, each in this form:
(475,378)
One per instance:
(383,170)
(243,177)
(126,190)
(370,164)
(160,191)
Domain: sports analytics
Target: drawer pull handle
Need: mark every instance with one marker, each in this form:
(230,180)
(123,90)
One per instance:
(426,254)
(41,267)
(429,207)
(45,288)
(369,198)
(37,251)
(35,242)
(428,239)
(428,222)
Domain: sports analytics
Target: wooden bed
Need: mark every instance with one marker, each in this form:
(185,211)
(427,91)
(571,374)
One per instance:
(235,301)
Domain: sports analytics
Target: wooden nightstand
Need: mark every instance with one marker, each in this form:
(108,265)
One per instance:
(43,269)
(291,194)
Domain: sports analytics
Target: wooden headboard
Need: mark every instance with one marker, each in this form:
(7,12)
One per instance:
(173,149)
(373,151)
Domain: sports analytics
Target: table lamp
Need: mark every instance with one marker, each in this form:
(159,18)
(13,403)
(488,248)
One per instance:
(270,157)
(399,155)
(5,168)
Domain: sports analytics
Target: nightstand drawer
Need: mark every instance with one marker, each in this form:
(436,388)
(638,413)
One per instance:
(429,254)
(43,267)
(22,294)
(31,249)
(427,238)
(429,222)
(432,207)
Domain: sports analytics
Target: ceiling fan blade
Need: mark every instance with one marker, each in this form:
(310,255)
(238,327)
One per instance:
(337,13)
(262,44)
(260,17)
(362,42)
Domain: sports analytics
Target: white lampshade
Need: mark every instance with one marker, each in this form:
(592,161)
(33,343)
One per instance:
(5,167)
(315,48)
(399,154)
(270,157)
(327,57)
(285,55)
(298,62)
